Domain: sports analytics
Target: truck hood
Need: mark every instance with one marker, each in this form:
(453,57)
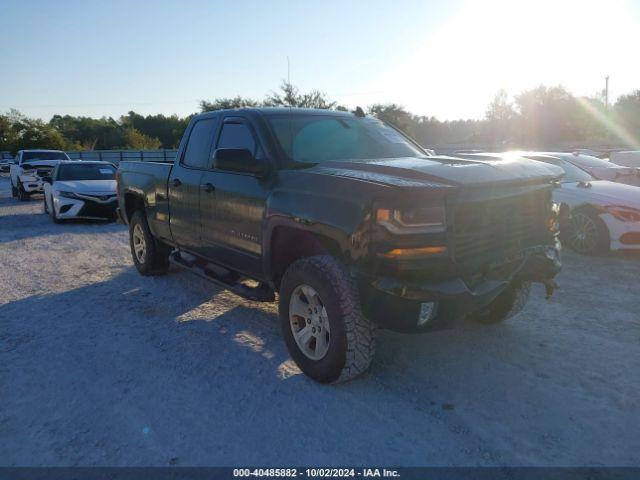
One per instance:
(87,186)
(39,163)
(443,171)
(600,193)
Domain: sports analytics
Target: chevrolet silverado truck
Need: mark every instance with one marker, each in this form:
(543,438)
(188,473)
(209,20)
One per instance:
(349,221)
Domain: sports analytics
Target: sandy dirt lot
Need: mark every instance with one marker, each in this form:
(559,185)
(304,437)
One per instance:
(100,366)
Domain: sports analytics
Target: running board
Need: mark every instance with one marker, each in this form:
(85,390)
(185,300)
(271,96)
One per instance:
(223,277)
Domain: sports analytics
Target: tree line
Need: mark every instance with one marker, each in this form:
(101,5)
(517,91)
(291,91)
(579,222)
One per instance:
(540,118)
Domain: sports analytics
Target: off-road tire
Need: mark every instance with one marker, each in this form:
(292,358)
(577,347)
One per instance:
(23,196)
(352,342)
(156,258)
(506,305)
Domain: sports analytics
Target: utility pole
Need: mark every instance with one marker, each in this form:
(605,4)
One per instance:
(606,91)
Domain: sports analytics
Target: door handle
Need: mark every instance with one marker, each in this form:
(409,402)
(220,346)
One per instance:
(176,182)
(207,187)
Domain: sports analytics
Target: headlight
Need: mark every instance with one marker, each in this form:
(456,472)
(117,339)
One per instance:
(624,214)
(66,194)
(412,220)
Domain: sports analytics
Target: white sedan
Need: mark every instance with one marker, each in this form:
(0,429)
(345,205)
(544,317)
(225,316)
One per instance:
(596,215)
(81,190)
(602,215)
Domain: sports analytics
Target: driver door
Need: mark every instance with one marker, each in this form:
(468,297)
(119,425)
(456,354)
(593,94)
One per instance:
(232,204)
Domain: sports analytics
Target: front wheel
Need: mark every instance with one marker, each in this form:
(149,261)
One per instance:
(52,212)
(506,305)
(150,256)
(23,196)
(322,323)
(586,233)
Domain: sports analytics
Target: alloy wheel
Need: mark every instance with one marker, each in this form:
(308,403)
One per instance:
(309,322)
(139,243)
(584,233)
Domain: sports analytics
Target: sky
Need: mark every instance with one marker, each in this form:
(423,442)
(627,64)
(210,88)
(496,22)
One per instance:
(438,58)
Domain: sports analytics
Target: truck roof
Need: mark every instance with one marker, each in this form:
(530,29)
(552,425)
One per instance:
(40,150)
(279,111)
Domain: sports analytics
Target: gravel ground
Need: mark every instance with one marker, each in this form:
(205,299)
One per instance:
(100,366)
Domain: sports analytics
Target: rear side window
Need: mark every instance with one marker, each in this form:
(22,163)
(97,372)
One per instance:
(199,145)
(236,135)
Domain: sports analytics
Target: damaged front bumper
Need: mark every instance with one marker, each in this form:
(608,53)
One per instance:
(396,303)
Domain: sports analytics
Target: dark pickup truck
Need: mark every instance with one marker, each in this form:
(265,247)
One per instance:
(352,223)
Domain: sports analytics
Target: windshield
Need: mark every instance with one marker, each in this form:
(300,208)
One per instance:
(322,138)
(84,171)
(26,156)
(589,161)
(571,172)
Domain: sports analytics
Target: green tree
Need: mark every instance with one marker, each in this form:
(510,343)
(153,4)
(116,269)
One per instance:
(393,114)
(290,96)
(137,140)
(627,113)
(500,119)
(546,114)
(90,133)
(167,129)
(20,132)
(227,103)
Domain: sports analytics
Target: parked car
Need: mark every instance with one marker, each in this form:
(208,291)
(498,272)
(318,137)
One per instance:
(596,215)
(81,190)
(350,221)
(28,169)
(600,169)
(5,165)
(628,159)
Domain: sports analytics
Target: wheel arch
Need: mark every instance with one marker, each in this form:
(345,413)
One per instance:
(289,243)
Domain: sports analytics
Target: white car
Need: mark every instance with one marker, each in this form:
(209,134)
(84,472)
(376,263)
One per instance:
(29,167)
(597,215)
(626,159)
(602,214)
(81,190)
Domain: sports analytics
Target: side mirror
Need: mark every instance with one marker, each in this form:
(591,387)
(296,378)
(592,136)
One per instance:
(239,160)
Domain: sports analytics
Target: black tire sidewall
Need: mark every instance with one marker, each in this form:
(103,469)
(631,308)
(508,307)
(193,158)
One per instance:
(22,194)
(328,368)
(156,260)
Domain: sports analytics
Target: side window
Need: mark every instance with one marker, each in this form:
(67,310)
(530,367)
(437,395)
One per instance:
(236,135)
(199,145)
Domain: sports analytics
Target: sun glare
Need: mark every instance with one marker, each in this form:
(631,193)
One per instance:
(496,44)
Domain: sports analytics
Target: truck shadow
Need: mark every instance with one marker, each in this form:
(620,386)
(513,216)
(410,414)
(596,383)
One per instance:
(185,360)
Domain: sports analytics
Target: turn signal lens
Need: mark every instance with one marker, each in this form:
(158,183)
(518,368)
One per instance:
(624,214)
(407,253)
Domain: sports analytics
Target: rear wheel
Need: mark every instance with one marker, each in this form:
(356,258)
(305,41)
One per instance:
(150,256)
(322,323)
(586,233)
(506,305)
